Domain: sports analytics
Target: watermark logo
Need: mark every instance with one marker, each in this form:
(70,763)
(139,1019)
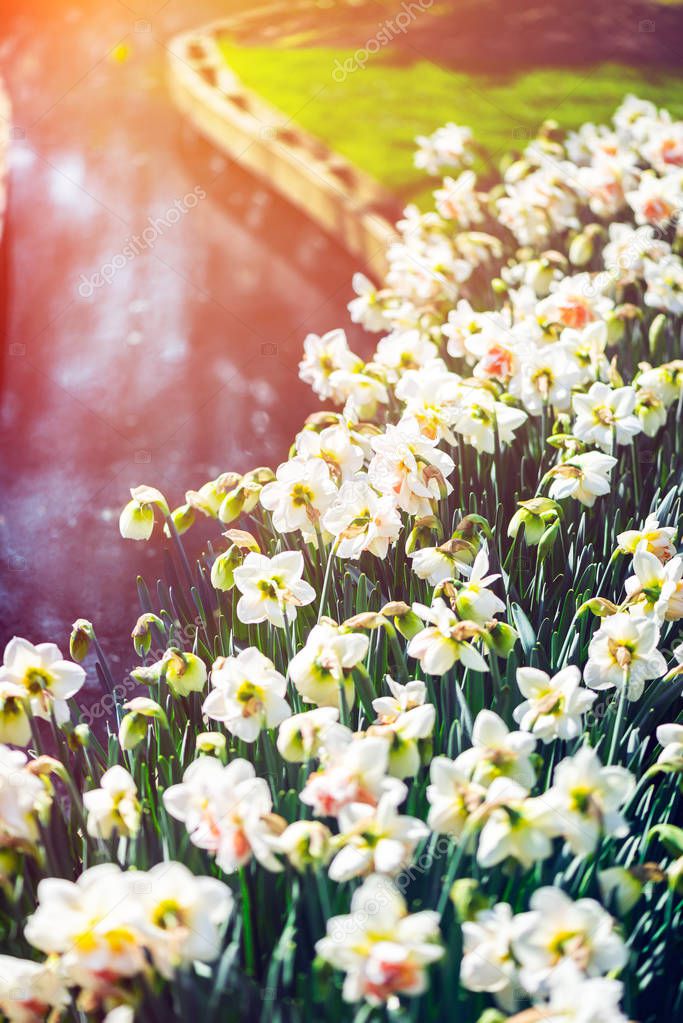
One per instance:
(137,243)
(388,30)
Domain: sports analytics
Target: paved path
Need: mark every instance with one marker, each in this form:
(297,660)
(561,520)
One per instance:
(184,364)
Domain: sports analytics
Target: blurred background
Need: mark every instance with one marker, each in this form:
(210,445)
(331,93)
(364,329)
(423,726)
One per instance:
(184,364)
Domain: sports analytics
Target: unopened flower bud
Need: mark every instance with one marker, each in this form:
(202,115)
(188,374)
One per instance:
(80,737)
(182,518)
(501,637)
(136,521)
(132,730)
(467,898)
(306,844)
(211,742)
(581,249)
(223,568)
(134,725)
(79,641)
(232,505)
(656,335)
(141,635)
(620,886)
(185,673)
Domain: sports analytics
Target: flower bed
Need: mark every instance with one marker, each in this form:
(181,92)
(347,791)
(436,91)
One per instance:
(411,745)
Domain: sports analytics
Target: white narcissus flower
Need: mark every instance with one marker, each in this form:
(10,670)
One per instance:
(91,923)
(664,280)
(657,200)
(404,351)
(375,839)
(449,146)
(354,771)
(623,653)
(301,492)
(464,322)
(300,736)
(360,390)
(574,302)
(361,520)
(367,308)
(336,447)
(655,589)
(585,800)
(553,706)
(445,641)
(29,990)
(583,477)
(487,962)
(605,415)
(437,564)
(403,698)
(272,588)
(120,1014)
(659,540)
(114,806)
(247,695)
(325,664)
(404,733)
(474,600)
(497,356)
(587,348)
(322,357)
(410,468)
(498,752)
(517,826)
(47,679)
(226,810)
(430,396)
(383,949)
(651,412)
(545,378)
(671,738)
(665,381)
(574,998)
(557,929)
(182,916)
(663,148)
(458,200)
(23,798)
(479,417)
(452,797)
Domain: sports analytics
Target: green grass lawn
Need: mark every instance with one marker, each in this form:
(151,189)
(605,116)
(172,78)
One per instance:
(374,114)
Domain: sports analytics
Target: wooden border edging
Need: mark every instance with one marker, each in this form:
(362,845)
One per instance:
(345,201)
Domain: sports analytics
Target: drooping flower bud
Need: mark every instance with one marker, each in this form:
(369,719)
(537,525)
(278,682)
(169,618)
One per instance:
(134,725)
(211,743)
(185,673)
(182,518)
(79,641)
(141,635)
(223,568)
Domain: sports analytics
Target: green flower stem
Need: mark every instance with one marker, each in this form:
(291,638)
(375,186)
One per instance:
(618,721)
(326,579)
(249,953)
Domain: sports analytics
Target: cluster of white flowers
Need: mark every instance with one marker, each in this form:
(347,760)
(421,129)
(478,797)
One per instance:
(374,777)
(106,927)
(556,945)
